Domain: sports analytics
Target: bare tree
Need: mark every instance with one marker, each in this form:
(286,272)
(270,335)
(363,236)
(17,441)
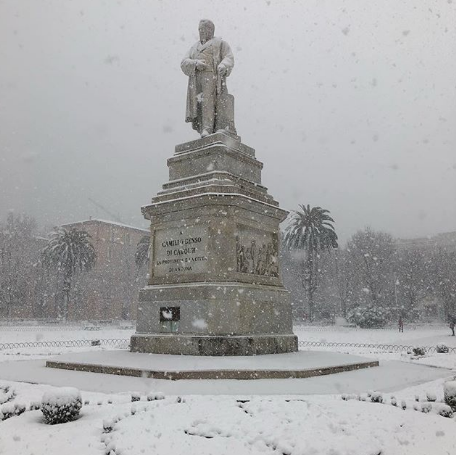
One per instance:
(17,261)
(370,261)
(443,282)
(412,272)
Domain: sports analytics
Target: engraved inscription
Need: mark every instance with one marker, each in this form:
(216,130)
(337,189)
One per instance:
(257,252)
(180,250)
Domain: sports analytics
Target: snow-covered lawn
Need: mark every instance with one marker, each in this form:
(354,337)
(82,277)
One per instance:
(21,334)
(225,425)
(50,334)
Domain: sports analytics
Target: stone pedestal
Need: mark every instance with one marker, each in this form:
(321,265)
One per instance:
(215,285)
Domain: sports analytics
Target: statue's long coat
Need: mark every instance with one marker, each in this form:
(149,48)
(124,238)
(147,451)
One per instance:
(222,54)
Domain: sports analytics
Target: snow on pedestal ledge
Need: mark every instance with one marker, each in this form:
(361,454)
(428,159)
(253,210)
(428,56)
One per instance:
(300,364)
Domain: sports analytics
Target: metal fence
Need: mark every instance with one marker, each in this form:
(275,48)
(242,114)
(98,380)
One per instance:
(383,347)
(118,343)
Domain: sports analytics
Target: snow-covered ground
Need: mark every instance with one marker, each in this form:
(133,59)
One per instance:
(224,425)
(21,334)
(302,417)
(428,336)
(50,334)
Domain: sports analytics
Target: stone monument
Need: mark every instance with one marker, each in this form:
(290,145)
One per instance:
(214,286)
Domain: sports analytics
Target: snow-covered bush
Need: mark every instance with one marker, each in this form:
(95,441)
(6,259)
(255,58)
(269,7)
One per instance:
(449,393)
(403,405)
(419,351)
(350,396)
(376,397)
(11,409)
(417,398)
(369,317)
(19,408)
(6,394)
(393,401)
(445,411)
(426,407)
(431,396)
(442,348)
(108,425)
(135,396)
(152,396)
(62,405)
(35,406)
(8,410)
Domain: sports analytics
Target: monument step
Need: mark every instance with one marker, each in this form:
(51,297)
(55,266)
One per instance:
(215,157)
(300,364)
(230,141)
(212,187)
(218,201)
(213,176)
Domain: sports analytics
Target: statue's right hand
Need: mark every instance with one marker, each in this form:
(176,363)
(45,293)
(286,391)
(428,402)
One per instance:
(201,65)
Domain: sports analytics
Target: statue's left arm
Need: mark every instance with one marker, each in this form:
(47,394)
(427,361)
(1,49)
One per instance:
(188,65)
(227,57)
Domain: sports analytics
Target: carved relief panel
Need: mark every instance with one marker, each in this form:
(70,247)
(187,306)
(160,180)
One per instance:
(257,251)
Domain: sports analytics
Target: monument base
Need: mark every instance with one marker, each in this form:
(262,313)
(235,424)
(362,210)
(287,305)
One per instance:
(295,365)
(214,345)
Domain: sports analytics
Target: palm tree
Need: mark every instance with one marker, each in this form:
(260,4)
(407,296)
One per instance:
(311,231)
(142,254)
(69,251)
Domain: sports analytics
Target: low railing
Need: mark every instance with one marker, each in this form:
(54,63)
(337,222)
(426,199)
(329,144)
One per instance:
(384,347)
(121,343)
(114,342)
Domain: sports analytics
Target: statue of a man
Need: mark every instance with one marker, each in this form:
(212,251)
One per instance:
(208,63)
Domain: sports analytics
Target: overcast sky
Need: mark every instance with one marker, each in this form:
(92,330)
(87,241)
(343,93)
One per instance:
(351,105)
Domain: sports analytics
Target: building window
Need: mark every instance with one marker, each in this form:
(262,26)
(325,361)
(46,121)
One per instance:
(169,319)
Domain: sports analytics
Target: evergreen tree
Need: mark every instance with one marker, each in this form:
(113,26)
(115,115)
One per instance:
(310,231)
(68,252)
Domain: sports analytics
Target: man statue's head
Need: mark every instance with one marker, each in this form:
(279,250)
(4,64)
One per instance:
(206,30)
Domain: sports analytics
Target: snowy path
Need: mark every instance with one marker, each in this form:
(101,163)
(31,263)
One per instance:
(391,375)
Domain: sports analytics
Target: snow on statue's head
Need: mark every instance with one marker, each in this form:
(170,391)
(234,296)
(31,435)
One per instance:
(206,30)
